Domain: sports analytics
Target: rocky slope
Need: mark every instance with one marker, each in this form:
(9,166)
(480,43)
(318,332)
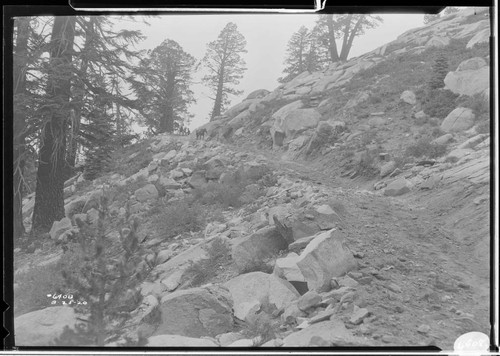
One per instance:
(333,239)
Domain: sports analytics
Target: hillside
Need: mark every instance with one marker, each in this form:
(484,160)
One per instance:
(348,207)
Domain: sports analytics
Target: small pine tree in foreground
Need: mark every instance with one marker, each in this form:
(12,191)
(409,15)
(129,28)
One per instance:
(104,277)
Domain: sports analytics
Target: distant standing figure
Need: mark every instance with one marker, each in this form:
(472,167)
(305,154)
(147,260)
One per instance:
(188,131)
(200,133)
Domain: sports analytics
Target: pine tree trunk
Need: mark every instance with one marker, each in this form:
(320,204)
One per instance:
(20,64)
(346,47)
(332,45)
(218,97)
(49,198)
(170,91)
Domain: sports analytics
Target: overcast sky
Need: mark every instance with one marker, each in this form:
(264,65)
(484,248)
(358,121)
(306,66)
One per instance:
(267,36)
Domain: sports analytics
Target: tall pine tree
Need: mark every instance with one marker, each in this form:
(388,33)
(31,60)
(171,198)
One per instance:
(345,27)
(162,85)
(49,199)
(303,53)
(225,66)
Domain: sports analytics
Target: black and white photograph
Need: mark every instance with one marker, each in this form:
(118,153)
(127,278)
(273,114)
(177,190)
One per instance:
(262,181)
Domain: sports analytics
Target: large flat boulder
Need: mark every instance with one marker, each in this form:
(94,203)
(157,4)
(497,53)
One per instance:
(196,312)
(255,248)
(480,37)
(251,290)
(197,179)
(148,192)
(326,256)
(458,120)
(468,82)
(43,327)
(297,121)
(257,94)
(396,188)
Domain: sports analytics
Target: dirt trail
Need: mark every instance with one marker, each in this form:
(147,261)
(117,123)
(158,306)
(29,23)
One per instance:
(425,275)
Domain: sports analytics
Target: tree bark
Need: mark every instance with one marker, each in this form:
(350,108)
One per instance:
(332,44)
(348,40)
(20,64)
(218,97)
(49,198)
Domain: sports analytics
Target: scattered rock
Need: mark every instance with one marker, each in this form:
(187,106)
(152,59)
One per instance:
(173,281)
(326,256)
(398,187)
(409,97)
(430,182)
(197,179)
(332,331)
(287,268)
(59,227)
(42,327)
(347,281)
(196,312)
(228,338)
(387,168)
(459,153)
(444,139)
(438,41)
(300,244)
(322,316)
(148,192)
(308,300)
(250,250)
(250,289)
(424,329)
(394,288)
(358,316)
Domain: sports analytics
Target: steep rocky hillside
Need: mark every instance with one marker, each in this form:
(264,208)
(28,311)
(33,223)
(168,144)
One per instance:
(348,207)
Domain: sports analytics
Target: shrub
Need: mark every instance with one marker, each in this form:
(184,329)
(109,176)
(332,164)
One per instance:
(483,127)
(176,218)
(375,99)
(127,166)
(33,285)
(436,132)
(439,102)
(478,104)
(424,148)
(219,194)
(200,272)
(325,135)
(367,164)
(439,72)
(263,327)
